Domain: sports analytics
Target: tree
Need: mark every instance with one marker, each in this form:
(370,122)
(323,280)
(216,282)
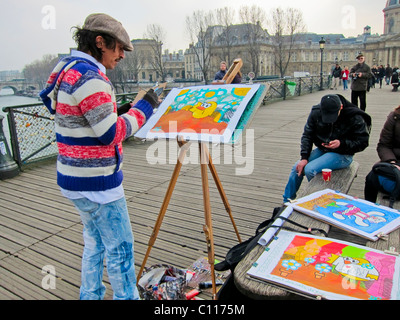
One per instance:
(225,16)
(135,61)
(286,25)
(39,70)
(254,18)
(199,27)
(156,33)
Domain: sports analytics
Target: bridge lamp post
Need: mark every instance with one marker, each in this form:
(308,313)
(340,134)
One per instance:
(321,47)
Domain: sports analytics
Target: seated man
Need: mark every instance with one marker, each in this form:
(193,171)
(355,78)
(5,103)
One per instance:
(338,129)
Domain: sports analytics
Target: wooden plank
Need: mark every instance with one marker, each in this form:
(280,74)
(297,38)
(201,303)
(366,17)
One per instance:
(23,288)
(341,180)
(8,247)
(8,295)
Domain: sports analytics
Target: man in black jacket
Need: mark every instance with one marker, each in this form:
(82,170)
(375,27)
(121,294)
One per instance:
(360,75)
(338,129)
(336,75)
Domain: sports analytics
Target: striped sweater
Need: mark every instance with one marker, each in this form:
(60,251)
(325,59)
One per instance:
(88,131)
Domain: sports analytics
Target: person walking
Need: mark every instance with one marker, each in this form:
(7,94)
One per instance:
(395,79)
(381,75)
(388,74)
(336,74)
(345,78)
(360,74)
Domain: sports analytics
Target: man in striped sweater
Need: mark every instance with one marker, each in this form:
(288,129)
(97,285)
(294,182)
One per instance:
(89,166)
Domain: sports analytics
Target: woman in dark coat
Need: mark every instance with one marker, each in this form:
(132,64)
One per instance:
(388,151)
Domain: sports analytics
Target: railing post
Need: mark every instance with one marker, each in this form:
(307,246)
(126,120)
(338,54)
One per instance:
(8,167)
(284,90)
(14,137)
(300,86)
(312,85)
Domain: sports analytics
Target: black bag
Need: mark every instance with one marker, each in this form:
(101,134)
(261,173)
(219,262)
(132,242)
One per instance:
(229,291)
(372,185)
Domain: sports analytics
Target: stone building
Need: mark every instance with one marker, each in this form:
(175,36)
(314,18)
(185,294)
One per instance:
(378,49)
(255,47)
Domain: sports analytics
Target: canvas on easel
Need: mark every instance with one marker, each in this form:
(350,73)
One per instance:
(328,268)
(200,113)
(354,215)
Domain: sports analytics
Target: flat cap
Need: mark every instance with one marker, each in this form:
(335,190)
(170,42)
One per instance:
(101,22)
(359,55)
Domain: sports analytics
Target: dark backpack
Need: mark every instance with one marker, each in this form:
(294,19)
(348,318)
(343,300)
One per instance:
(391,172)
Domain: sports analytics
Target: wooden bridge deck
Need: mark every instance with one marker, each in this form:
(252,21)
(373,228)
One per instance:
(39,228)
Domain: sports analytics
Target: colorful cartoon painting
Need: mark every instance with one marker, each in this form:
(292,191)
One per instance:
(203,113)
(328,268)
(354,215)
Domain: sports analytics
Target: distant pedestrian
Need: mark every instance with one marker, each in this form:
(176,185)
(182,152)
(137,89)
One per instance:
(381,75)
(388,74)
(395,79)
(336,74)
(222,72)
(360,75)
(373,80)
(345,78)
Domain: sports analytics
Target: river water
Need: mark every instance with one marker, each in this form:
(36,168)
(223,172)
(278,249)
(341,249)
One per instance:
(7,99)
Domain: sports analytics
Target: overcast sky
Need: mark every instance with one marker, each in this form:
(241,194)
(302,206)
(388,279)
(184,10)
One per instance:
(33,28)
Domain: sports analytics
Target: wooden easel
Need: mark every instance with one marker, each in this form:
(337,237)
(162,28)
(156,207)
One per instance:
(205,160)
(231,73)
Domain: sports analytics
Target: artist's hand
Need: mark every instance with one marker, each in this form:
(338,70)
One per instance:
(300,166)
(152,98)
(334,144)
(124,108)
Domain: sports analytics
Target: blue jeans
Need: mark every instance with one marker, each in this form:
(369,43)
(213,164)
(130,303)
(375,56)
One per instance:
(107,232)
(387,184)
(318,160)
(345,86)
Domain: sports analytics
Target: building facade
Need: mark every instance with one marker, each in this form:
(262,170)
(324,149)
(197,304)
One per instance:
(306,57)
(255,47)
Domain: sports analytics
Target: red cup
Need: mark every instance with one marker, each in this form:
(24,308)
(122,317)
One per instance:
(327,174)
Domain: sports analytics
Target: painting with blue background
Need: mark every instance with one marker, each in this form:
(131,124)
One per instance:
(358,214)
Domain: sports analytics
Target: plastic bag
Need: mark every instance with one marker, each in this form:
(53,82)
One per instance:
(162,282)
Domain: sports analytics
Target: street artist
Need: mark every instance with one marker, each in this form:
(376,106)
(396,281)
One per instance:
(89,138)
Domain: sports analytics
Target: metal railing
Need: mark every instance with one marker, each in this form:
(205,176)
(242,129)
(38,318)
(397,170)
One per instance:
(32,131)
